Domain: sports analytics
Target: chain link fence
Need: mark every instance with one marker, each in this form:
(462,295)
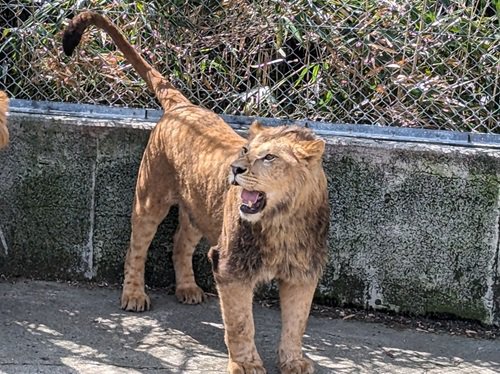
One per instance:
(420,63)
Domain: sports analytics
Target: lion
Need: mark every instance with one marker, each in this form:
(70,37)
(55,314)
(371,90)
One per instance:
(268,221)
(4,131)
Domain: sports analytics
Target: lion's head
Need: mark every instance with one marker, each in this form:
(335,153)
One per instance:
(4,132)
(277,170)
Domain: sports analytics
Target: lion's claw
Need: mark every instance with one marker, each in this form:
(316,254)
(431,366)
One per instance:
(135,301)
(246,368)
(297,366)
(190,295)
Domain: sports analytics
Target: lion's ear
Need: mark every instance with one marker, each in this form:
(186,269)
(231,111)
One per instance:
(312,149)
(255,128)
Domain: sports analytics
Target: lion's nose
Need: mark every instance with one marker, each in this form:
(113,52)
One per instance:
(238,169)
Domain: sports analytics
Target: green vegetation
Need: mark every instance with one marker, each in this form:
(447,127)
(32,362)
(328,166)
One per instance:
(421,63)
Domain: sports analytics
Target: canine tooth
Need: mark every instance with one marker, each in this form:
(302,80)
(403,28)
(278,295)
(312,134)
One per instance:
(250,204)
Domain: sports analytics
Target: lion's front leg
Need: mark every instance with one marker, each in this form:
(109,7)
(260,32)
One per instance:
(236,303)
(295,301)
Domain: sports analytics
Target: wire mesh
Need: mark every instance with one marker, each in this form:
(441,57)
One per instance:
(420,63)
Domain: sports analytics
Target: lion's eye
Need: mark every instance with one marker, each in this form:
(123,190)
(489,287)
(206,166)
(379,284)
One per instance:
(269,157)
(244,150)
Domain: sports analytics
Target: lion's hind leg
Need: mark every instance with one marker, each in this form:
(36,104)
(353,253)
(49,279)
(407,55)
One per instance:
(185,240)
(4,132)
(152,203)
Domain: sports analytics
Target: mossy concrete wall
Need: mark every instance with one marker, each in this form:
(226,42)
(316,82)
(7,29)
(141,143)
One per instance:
(414,227)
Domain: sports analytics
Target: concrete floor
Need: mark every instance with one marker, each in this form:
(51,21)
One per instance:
(54,328)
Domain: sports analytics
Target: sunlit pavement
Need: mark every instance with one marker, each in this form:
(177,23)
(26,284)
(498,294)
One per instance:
(48,327)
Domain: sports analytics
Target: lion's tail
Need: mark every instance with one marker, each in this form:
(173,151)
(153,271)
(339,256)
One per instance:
(4,106)
(167,94)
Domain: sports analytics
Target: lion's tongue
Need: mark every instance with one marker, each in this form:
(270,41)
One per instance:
(249,197)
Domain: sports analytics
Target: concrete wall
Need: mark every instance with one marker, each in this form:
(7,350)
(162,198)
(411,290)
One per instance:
(414,226)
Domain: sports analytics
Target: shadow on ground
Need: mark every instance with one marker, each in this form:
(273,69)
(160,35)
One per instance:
(57,328)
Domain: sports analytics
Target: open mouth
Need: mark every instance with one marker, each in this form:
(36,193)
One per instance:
(252,201)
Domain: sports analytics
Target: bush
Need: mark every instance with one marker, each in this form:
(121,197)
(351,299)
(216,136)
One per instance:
(430,64)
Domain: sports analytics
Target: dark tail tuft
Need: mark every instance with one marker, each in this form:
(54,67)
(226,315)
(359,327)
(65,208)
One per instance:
(71,38)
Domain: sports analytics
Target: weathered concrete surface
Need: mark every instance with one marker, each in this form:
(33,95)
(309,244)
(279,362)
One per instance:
(65,200)
(56,328)
(414,226)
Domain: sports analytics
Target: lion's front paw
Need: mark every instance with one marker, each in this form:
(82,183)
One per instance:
(297,366)
(190,294)
(254,367)
(135,301)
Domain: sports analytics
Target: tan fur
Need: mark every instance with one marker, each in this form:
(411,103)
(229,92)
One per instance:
(287,242)
(4,131)
(186,163)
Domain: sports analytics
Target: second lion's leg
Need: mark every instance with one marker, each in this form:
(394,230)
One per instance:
(134,297)
(185,240)
(295,301)
(151,204)
(236,303)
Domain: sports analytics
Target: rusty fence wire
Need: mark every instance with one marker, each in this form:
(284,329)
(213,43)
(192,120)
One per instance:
(421,63)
